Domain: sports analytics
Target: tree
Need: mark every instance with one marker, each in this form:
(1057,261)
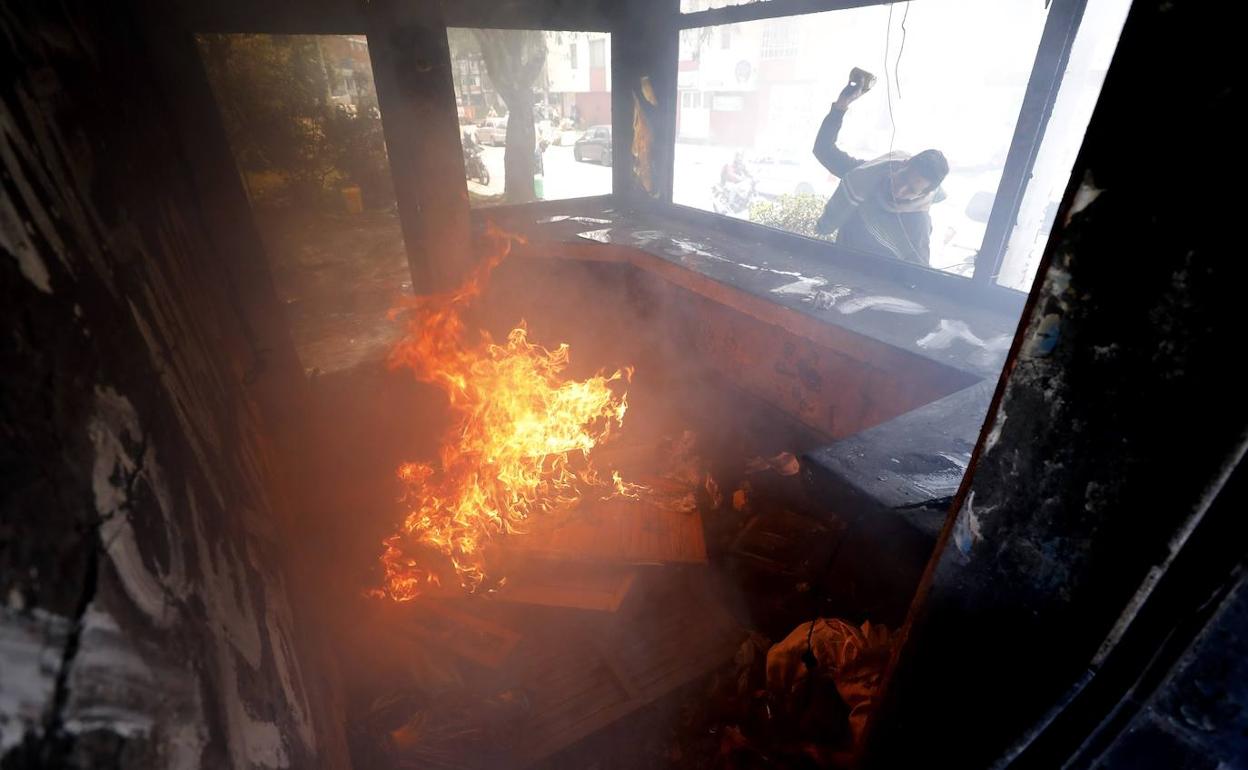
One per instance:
(513,61)
(272,93)
(275,93)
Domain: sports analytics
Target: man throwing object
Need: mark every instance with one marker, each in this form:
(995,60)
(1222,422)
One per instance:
(881,205)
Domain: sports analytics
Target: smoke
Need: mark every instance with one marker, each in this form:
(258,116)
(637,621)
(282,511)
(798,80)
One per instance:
(612,315)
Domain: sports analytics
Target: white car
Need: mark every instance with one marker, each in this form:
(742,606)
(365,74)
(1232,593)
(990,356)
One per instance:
(493,131)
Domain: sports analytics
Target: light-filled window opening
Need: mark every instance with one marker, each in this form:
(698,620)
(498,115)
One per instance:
(944,76)
(535,117)
(305,128)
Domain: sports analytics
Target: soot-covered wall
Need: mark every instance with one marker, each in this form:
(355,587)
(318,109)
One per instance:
(1094,530)
(144,617)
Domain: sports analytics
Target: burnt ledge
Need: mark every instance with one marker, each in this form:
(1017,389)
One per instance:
(911,465)
(893,478)
(942,318)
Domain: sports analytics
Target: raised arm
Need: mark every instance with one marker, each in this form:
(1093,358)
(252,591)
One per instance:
(833,158)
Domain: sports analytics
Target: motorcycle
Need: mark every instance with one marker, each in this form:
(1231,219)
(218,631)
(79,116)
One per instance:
(474,165)
(734,198)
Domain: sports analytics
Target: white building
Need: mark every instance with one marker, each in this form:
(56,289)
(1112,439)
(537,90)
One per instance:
(578,74)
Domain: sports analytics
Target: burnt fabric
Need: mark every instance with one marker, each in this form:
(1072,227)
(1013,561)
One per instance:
(851,658)
(862,212)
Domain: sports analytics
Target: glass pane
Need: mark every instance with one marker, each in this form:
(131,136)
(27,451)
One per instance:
(1076,97)
(302,119)
(527,101)
(950,75)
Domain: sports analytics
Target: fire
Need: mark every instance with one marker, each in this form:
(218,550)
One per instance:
(519,444)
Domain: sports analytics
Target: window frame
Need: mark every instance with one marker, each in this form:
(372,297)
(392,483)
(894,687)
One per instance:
(1048,69)
(465,18)
(664,19)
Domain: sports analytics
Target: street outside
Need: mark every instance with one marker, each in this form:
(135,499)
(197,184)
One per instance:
(564,178)
(955,237)
(698,167)
(697,173)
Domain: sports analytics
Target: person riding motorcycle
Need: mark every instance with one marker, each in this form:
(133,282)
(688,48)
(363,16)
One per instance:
(735,172)
(474,164)
(736,185)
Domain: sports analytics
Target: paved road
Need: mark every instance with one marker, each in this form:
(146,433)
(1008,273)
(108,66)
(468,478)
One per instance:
(697,171)
(565,178)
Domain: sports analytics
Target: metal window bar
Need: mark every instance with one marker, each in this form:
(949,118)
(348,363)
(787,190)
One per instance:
(1052,56)
(768,9)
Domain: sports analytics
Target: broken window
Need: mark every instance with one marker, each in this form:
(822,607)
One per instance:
(526,123)
(302,119)
(949,75)
(945,76)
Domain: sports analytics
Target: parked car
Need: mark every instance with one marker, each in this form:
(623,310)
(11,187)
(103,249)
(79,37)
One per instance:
(594,145)
(493,131)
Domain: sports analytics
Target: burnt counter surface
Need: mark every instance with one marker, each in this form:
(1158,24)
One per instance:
(945,320)
(911,465)
(901,472)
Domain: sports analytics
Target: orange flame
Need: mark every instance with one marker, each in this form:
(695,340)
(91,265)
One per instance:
(519,444)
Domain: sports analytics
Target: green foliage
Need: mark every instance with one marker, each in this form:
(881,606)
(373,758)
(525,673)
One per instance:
(274,95)
(358,147)
(796,213)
